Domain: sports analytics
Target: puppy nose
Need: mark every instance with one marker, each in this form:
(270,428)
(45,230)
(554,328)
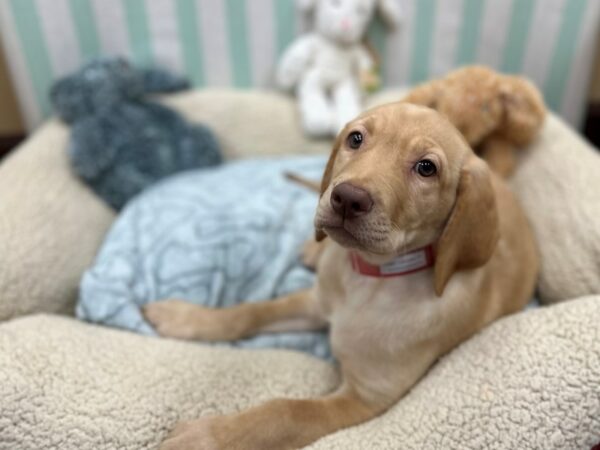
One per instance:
(350,201)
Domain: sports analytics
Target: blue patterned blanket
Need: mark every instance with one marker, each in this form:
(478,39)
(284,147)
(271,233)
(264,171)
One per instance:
(216,237)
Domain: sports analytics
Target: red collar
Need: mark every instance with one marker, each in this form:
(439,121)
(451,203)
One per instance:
(414,261)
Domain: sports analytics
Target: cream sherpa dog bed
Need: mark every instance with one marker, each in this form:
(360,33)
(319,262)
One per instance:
(528,381)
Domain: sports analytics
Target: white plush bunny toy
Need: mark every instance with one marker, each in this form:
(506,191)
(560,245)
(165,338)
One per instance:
(326,65)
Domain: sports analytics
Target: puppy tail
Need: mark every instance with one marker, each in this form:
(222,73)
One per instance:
(314,186)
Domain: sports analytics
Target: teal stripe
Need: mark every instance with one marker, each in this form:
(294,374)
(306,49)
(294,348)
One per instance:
(284,23)
(139,34)
(85,27)
(238,42)
(422,40)
(25,16)
(564,49)
(190,40)
(468,40)
(518,31)
(376,35)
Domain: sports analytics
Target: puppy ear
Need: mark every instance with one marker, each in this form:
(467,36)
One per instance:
(327,175)
(471,232)
(390,12)
(319,235)
(524,109)
(326,180)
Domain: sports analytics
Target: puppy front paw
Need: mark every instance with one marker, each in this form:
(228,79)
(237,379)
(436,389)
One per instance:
(183,320)
(216,433)
(173,318)
(194,435)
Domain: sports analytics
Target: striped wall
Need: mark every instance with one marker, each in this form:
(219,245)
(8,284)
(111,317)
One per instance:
(237,42)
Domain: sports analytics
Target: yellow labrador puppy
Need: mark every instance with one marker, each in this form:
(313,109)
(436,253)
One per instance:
(426,248)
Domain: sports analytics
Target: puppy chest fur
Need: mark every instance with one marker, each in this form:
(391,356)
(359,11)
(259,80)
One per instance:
(379,326)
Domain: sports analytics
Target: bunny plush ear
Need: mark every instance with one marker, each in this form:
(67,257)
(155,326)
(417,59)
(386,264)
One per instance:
(390,12)
(158,80)
(305,5)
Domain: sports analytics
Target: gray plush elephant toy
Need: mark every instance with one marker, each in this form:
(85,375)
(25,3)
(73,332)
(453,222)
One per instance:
(121,142)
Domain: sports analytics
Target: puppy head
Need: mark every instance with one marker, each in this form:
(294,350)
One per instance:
(401,177)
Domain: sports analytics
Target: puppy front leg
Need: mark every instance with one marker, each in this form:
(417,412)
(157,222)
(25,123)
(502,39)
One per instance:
(275,425)
(183,320)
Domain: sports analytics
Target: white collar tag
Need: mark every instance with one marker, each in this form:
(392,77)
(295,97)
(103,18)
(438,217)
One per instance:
(405,264)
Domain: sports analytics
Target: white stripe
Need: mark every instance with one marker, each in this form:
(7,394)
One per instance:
(399,44)
(215,42)
(494,31)
(543,33)
(60,37)
(21,79)
(576,89)
(262,41)
(112,27)
(162,25)
(448,21)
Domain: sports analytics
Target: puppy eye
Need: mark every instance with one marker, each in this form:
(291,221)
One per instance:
(355,140)
(426,168)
